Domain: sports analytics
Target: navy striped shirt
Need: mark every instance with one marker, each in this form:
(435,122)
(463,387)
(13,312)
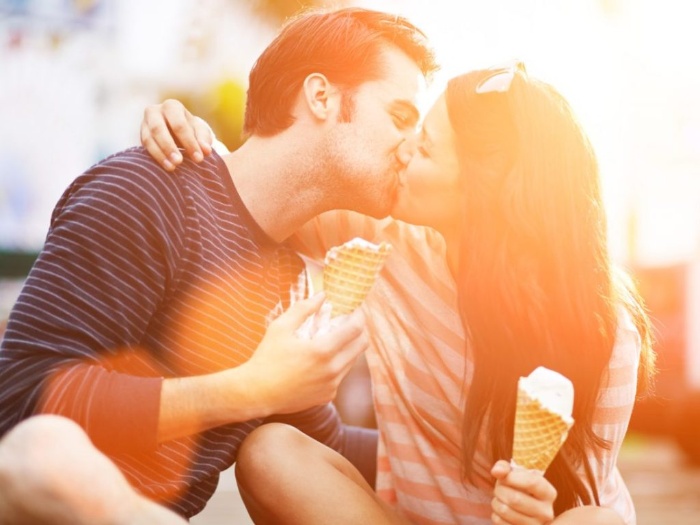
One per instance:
(146,275)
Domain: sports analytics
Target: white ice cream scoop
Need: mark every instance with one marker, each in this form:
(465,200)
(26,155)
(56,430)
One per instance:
(554,391)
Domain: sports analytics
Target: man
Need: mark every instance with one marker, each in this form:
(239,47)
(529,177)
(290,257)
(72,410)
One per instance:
(148,317)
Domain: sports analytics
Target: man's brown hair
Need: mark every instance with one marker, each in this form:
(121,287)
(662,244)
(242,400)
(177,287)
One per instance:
(345,45)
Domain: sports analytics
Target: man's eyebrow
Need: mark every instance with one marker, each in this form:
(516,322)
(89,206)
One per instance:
(409,107)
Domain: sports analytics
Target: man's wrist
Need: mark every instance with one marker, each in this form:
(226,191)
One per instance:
(190,405)
(245,395)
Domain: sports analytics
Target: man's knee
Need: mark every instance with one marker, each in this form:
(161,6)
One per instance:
(44,429)
(35,439)
(28,457)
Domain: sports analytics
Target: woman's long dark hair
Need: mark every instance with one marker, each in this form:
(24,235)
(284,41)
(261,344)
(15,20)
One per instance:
(535,280)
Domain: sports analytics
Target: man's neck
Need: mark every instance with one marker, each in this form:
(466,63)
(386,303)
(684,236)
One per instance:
(276,180)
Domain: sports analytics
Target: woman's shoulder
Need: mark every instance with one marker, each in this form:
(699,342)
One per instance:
(628,343)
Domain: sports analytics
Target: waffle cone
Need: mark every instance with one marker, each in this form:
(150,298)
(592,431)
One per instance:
(349,274)
(539,433)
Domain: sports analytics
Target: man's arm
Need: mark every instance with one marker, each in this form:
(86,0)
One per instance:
(80,319)
(285,375)
(110,257)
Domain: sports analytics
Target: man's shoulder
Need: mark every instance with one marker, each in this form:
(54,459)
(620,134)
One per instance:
(134,161)
(131,187)
(127,180)
(134,167)
(212,166)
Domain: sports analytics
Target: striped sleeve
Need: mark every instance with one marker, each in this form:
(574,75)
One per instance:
(109,256)
(612,417)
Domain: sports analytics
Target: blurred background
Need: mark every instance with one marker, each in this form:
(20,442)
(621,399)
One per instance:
(76,75)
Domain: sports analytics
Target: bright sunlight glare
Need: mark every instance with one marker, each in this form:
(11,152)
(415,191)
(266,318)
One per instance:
(624,65)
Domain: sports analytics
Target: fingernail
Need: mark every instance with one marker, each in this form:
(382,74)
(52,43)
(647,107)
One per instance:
(197,156)
(176,157)
(168,165)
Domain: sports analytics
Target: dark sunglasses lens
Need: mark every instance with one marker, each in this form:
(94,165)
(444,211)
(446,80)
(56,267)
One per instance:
(496,83)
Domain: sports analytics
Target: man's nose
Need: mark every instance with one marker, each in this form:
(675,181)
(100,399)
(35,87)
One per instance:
(406,150)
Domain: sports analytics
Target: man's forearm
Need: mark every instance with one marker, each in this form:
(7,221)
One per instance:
(190,405)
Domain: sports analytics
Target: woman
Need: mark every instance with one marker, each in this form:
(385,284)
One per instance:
(512,273)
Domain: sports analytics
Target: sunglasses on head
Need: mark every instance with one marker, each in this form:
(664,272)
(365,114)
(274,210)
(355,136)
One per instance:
(501,78)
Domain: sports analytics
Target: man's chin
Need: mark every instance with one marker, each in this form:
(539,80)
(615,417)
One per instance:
(376,210)
(383,209)
(378,214)
(399,210)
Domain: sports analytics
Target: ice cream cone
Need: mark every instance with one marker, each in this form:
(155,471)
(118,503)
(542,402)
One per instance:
(539,434)
(350,272)
(542,418)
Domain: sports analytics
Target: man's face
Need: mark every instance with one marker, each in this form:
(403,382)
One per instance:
(369,151)
(431,193)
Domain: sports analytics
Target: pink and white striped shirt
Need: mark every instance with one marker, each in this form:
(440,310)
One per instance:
(420,373)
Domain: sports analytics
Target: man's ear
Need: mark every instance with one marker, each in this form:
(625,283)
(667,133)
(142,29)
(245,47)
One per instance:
(320,95)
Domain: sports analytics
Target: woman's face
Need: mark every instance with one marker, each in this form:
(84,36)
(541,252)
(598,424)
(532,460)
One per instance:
(430,194)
